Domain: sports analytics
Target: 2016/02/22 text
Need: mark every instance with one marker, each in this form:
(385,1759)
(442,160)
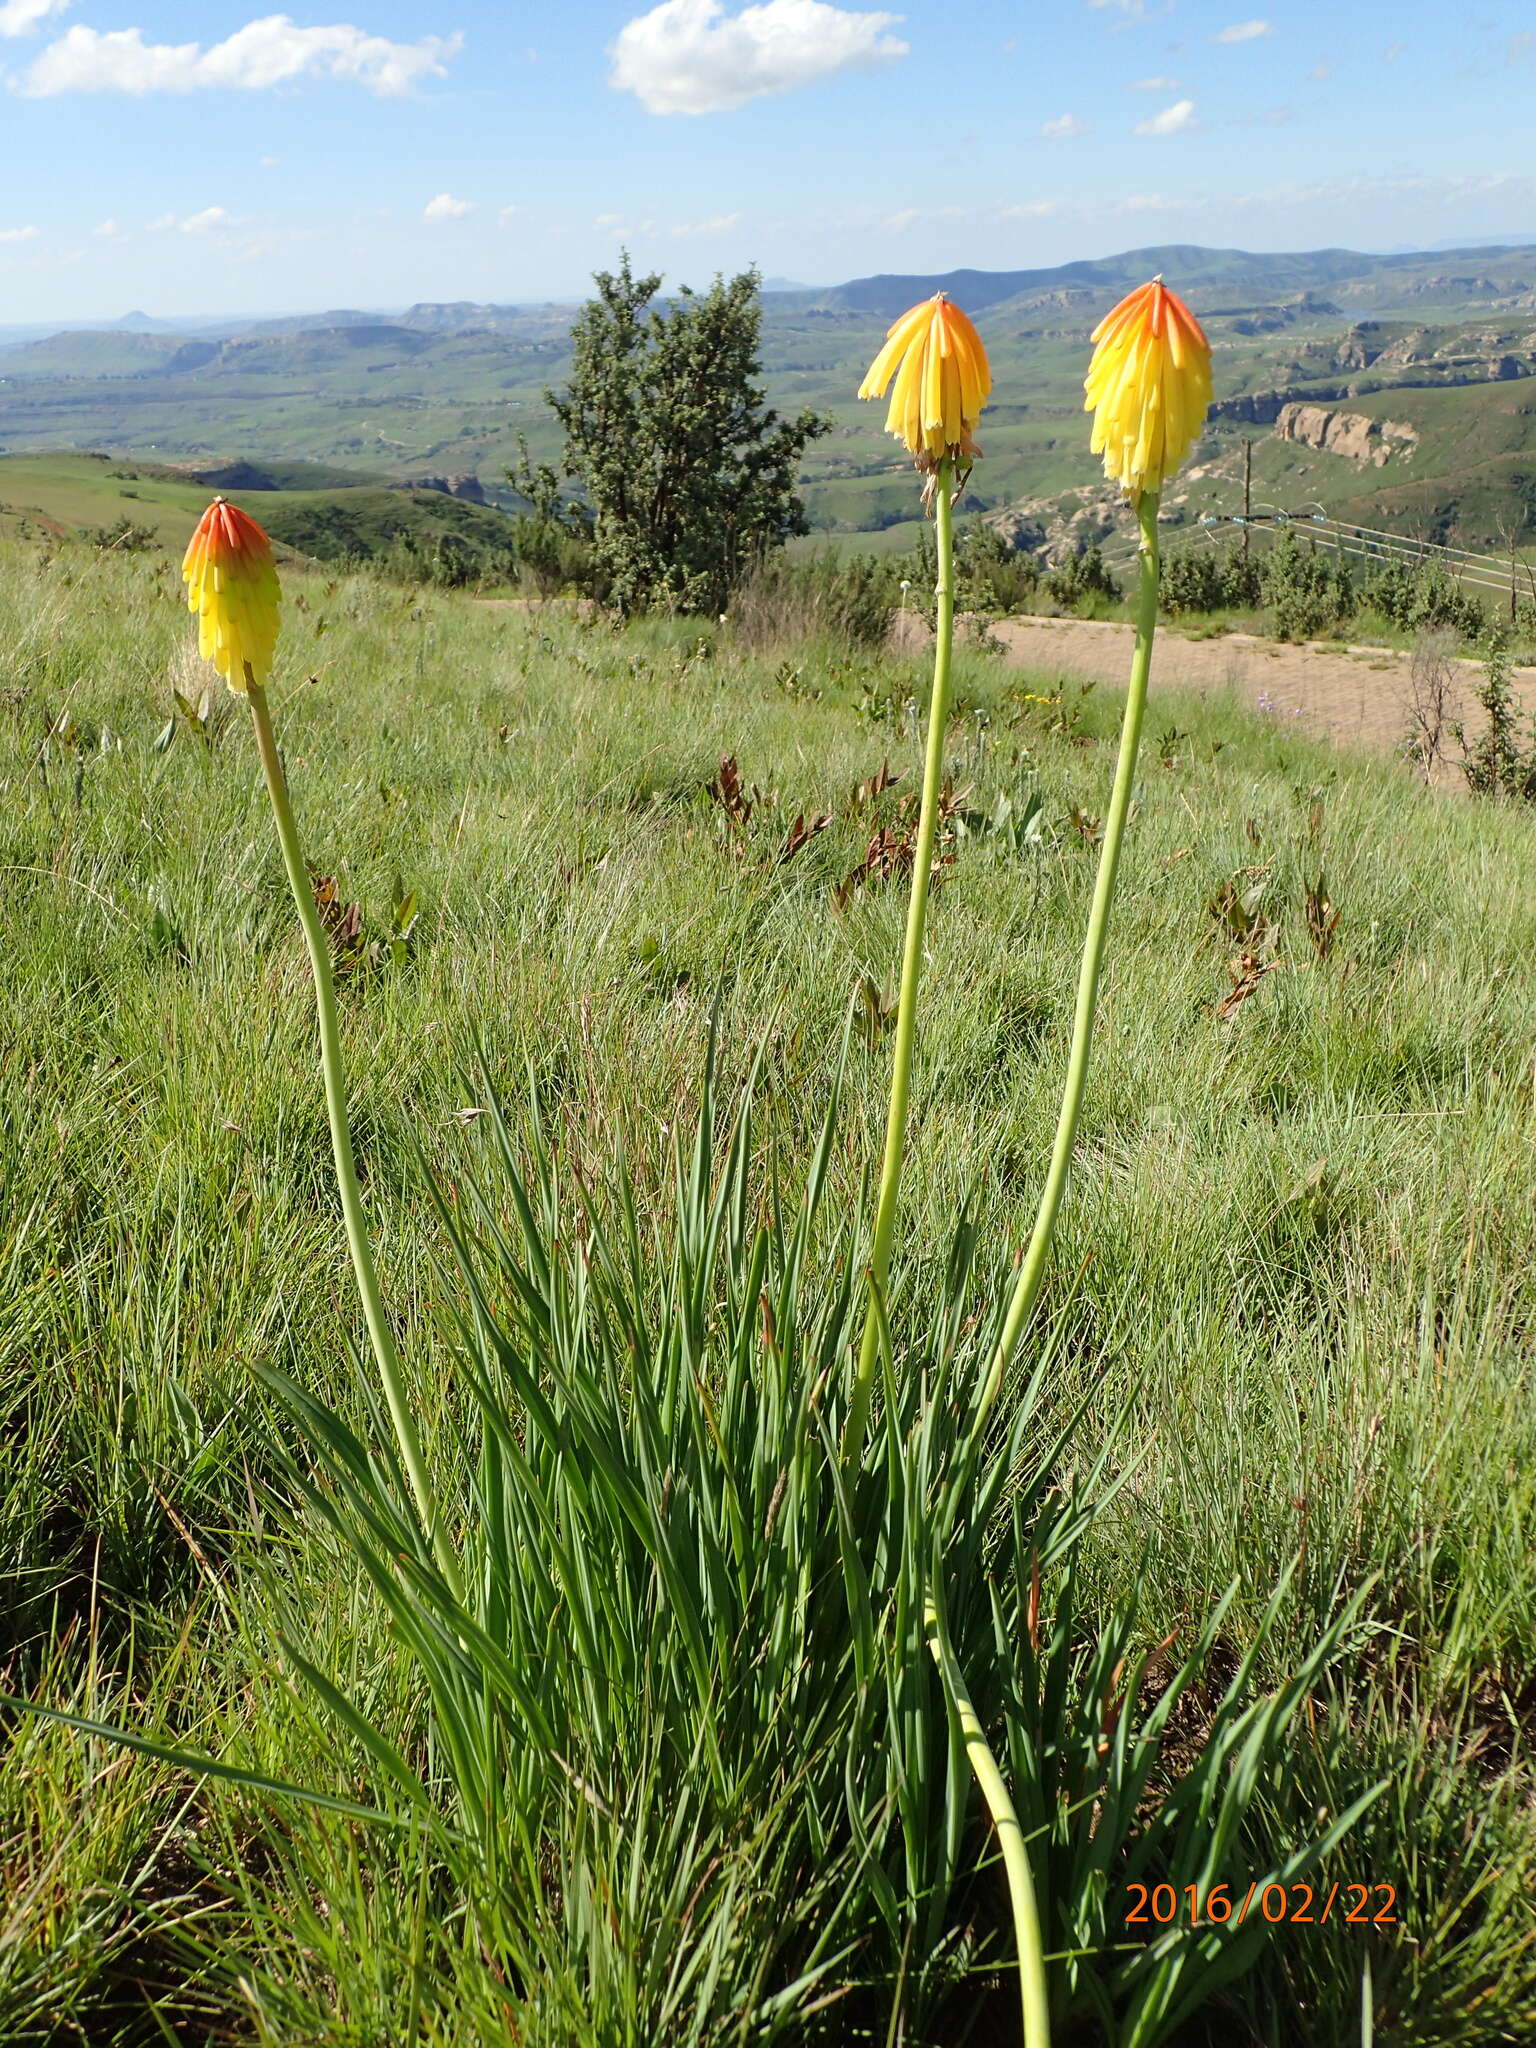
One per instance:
(1358,1905)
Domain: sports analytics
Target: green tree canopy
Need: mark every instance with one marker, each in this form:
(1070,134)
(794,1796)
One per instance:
(687,474)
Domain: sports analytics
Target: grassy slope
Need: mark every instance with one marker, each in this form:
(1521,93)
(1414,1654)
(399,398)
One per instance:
(348,519)
(1299,1250)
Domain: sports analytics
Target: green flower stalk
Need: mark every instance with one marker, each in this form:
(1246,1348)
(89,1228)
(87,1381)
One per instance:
(1037,1251)
(232,588)
(1148,387)
(941,384)
(1033,1991)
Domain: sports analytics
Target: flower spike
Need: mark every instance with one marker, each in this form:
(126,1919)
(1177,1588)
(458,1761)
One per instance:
(1148,387)
(942,381)
(232,589)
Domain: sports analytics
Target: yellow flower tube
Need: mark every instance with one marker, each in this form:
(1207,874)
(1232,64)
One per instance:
(942,381)
(1148,387)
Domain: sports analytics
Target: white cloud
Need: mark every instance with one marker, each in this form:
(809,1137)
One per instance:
(622,228)
(22,17)
(1063,129)
(1155,85)
(18,234)
(1028,209)
(201,223)
(446,207)
(1144,202)
(108,230)
(717,224)
(507,215)
(1244,32)
(691,57)
(264,53)
(1178,119)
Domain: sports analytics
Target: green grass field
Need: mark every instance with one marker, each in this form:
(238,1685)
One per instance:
(1292,1293)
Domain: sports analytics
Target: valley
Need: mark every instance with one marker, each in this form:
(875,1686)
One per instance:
(1391,390)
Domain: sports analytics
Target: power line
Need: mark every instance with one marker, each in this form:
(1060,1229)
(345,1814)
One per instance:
(1378,544)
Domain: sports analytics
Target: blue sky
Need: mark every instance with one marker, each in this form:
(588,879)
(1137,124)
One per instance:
(212,158)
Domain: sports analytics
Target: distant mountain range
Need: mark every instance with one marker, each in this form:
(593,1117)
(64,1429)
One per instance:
(1196,269)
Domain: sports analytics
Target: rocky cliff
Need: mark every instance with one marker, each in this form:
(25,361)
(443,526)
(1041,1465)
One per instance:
(1350,434)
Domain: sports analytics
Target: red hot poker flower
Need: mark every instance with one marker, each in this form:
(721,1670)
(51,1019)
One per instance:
(232,588)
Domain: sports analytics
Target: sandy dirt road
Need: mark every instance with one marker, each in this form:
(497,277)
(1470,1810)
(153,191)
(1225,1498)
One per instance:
(1360,696)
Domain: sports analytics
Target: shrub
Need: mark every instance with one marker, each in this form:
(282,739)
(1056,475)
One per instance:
(122,537)
(1421,597)
(555,556)
(991,575)
(1501,762)
(450,561)
(1191,581)
(1305,590)
(1206,579)
(1080,577)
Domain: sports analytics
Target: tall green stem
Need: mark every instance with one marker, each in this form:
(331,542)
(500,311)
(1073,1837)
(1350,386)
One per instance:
(1032,1270)
(1010,1836)
(379,1332)
(911,959)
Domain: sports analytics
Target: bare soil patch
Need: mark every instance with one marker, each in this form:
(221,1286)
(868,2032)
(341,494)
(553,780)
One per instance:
(1359,696)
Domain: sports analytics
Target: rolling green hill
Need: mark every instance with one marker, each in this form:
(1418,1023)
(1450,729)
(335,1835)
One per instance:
(452,387)
(327,514)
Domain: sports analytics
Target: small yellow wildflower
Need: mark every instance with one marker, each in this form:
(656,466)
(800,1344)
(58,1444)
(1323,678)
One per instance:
(942,381)
(232,588)
(1148,387)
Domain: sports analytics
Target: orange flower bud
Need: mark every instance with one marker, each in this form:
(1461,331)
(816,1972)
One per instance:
(232,587)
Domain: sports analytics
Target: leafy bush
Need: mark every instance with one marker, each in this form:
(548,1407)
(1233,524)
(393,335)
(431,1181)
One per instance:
(450,561)
(1306,590)
(1423,598)
(1501,761)
(1206,579)
(555,556)
(991,576)
(1082,577)
(122,536)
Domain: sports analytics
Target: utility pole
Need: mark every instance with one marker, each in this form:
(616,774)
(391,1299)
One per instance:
(1247,497)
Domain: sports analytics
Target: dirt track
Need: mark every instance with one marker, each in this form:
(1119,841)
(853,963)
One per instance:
(1360,696)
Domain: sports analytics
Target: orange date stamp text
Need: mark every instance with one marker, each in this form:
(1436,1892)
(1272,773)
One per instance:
(1356,1905)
